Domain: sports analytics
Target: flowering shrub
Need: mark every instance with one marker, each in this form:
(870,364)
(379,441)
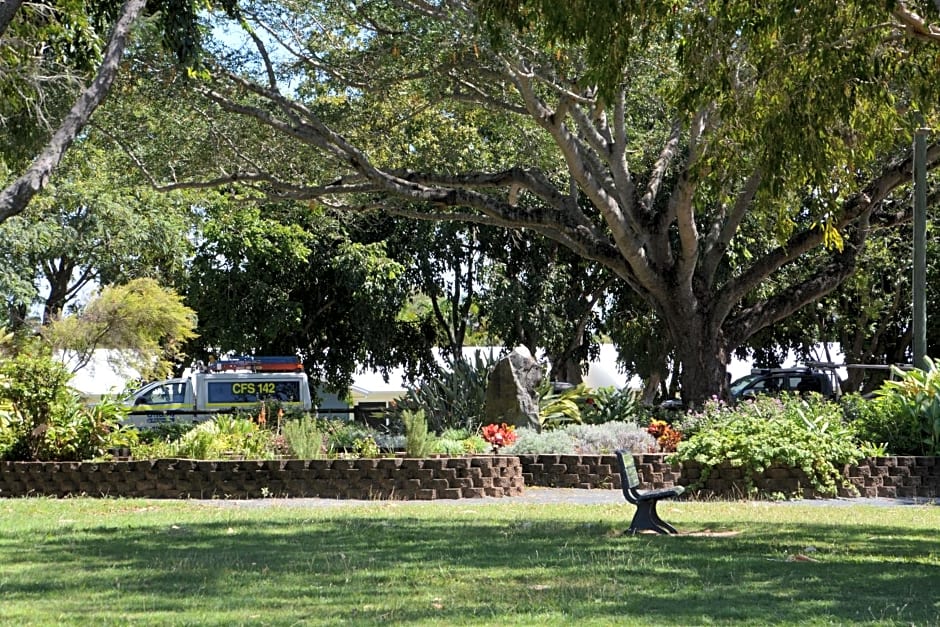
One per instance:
(666,437)
(499,435)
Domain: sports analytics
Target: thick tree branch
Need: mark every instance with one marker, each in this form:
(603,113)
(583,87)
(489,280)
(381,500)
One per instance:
(8,9)
(742,326)
(725,227)
(894,175)
(915,25)
(17,195)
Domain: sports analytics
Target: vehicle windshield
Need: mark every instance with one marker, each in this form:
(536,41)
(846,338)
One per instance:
(741,384)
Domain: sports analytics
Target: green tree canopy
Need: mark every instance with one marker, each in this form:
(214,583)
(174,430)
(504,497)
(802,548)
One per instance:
(94,226)
(294,280)
(145,326)
(733,157)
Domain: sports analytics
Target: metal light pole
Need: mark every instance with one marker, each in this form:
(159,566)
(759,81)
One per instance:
(920,248)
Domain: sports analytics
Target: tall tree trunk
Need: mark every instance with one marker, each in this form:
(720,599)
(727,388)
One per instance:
(702,356)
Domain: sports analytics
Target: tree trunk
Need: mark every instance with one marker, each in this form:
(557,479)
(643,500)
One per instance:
(567,368)
(651,389)
(58,293)
(703,357)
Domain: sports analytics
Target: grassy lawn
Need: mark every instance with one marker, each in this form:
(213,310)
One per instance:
(100,562)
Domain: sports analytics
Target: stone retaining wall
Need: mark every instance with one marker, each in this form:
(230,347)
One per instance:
(436,478)
(392,478)
(889,477)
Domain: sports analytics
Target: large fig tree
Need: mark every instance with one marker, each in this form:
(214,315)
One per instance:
(724,161)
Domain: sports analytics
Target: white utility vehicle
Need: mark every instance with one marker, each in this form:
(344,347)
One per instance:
(224,386)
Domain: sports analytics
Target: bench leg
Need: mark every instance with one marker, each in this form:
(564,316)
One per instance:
(647,519)
(659,521)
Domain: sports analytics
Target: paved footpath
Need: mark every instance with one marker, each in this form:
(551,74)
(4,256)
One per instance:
(545,496)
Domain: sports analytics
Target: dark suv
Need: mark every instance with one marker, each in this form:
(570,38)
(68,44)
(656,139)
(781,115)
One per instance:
(774,381)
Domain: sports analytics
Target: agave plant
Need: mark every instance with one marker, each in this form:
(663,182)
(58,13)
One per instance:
(452,399)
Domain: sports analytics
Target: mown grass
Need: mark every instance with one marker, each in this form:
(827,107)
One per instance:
(106,562)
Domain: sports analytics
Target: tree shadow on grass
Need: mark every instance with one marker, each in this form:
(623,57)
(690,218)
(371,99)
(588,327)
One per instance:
(367,567)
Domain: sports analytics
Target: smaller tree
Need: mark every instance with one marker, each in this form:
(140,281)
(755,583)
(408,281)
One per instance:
(143,323)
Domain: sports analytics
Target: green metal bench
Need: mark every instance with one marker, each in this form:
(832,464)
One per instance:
(645,518)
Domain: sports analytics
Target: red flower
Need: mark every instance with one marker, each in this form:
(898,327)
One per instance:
(499,435)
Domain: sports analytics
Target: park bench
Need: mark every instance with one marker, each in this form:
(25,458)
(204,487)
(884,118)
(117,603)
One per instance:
(645,518)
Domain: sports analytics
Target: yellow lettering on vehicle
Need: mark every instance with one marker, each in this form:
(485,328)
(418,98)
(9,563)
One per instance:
(266,388)
(243,388)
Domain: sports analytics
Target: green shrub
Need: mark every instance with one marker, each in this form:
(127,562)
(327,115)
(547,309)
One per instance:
(608,404)
(557,409)
(418,441)
(342,435)
(366,447)
(165,432)
(460,442)
(883,421)
(806,433)
(304,437)
(80,432)
(224,436)
(42,418)
(446,446)
(915,397)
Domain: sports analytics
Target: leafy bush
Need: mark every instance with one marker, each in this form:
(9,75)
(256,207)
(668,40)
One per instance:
(304,437)
(460,442)
(557,409)
(583,405)
(366,447)
(917,394)
(80,432)
(342,435)
(453,398)
(42,418)
(882,420)
(165,432)
(224,436)
(806,433)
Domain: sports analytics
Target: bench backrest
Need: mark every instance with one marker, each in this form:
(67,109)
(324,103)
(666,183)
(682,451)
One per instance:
(629,477)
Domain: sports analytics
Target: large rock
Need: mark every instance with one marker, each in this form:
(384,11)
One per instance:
(511,395)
